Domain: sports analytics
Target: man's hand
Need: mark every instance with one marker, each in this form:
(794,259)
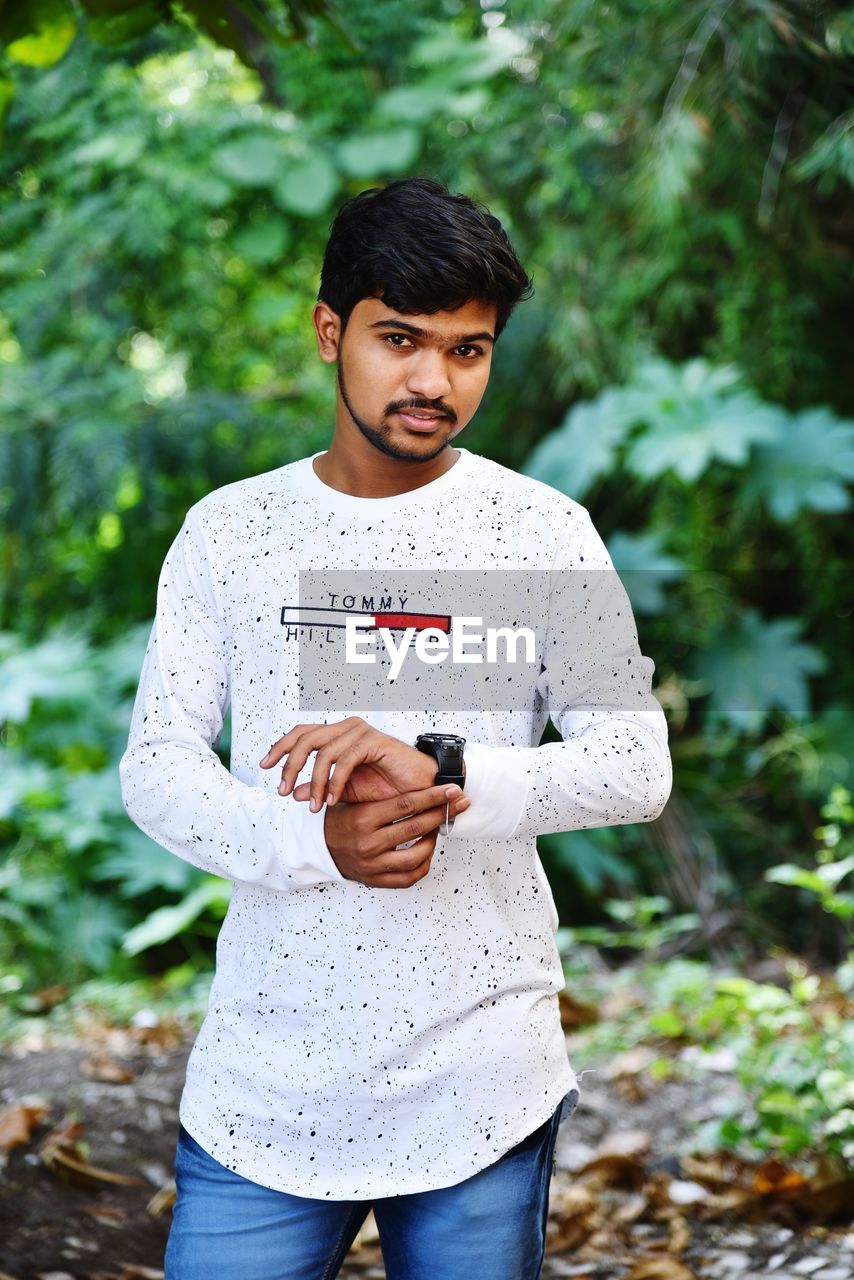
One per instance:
(369,765)
(362,837)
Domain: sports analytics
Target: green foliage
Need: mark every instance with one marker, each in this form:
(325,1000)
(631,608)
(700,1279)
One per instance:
(37,33)
(681,369)
(756,666)
(790,1048)
(809,467)
(81,889)
(836,837)
(167,922)
(719,512)
(647,923)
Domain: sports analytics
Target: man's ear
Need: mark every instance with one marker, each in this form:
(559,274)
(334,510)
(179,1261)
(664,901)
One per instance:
(327,329)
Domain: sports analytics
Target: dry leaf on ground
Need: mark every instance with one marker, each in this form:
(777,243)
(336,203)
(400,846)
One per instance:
(103,1066)
(65,1156)
(662,1268)
(18,1120)
(574,1012)
(162,1199)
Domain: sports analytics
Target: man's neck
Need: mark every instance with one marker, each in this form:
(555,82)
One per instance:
(375,474)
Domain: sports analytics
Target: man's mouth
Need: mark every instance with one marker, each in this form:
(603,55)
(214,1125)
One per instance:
(420,419)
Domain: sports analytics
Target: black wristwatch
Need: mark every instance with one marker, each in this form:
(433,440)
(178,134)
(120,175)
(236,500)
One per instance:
(447,750)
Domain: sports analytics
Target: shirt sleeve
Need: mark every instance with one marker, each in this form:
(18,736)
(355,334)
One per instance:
(174,786)
(613,764)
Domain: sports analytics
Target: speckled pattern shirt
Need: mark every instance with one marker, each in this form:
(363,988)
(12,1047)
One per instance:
(363,1042)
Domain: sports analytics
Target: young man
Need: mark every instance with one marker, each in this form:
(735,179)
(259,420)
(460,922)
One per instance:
(383,1027)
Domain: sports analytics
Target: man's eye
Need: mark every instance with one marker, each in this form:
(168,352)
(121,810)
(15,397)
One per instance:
(397,339)
(469,352)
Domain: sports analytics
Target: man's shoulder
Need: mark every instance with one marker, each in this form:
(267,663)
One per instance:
(518,487)
(246,498)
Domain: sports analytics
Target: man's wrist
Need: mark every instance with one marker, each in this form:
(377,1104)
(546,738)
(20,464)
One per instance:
(428,767)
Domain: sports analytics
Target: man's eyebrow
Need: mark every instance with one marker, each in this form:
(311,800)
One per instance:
(456,340)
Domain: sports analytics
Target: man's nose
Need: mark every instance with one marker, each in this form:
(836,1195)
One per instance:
(428,377)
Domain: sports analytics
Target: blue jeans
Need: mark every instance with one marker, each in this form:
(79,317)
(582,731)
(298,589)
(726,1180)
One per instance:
(492,1224)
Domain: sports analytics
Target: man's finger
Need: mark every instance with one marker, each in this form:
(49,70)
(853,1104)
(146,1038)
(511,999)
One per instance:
(345,752)
(406,835)
(401,879)
(327,747)
(316,738)
(283,745)
(410,803)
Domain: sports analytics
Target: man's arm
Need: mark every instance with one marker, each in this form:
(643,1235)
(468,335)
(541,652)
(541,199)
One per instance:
(613,765)
(174,786)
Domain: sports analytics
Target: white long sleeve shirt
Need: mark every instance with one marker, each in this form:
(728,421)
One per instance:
(364,1042)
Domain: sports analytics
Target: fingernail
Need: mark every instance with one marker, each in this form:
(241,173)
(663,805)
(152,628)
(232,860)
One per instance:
(452,792)
(330,799)
(314,804)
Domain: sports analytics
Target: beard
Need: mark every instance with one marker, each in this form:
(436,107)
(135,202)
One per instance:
(381,436)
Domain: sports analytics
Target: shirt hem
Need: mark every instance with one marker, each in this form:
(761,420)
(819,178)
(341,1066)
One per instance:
(383,1189)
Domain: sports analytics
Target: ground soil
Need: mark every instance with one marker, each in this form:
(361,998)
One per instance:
(54,1228)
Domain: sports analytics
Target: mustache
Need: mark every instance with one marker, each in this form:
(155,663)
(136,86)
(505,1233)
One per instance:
(427,405)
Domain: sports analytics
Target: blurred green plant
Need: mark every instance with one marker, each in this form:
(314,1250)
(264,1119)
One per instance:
(836,838)
(790,1047)
(81,889)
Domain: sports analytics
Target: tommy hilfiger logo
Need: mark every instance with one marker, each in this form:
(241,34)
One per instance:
(434,637)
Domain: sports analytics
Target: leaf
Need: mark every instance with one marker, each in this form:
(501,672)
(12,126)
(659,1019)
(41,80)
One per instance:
(54,27)
(584,446)
(644,568)
(87,931)
(665,1267)
(830,159)
(63,1154)
(251,160)
(807,468)
(465,61)
(431,97)
(306,185)
(140,865)
(117,149)
(20,778)
(801,877)
(688,419)
(415,102)
(756,665)
(58,669)
(673,162)
(168,922)
(591,857)
(7,93)
(116,28)
(271,307)
(667,1022)
(370,153)
(101,1065)
(263,241)
(18,1120)
(92,801)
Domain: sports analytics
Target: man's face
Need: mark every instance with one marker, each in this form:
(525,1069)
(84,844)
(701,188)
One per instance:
(409,383)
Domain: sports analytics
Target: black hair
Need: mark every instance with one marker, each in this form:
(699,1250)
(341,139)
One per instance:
(422,249)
